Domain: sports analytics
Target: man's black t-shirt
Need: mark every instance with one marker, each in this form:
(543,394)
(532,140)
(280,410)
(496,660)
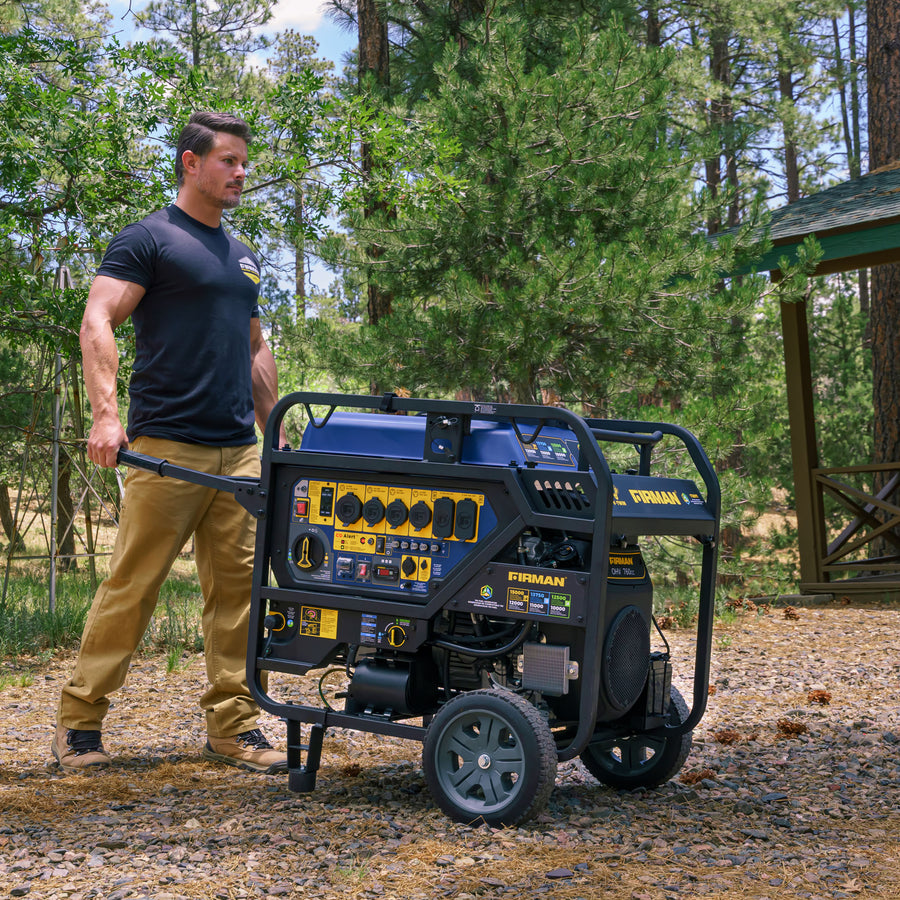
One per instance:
(191,380)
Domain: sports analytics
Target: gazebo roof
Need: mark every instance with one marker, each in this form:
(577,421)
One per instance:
(857,224)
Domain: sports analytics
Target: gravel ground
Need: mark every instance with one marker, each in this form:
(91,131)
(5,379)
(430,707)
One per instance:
(792,790)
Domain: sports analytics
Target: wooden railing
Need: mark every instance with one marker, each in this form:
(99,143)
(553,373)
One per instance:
(865,553)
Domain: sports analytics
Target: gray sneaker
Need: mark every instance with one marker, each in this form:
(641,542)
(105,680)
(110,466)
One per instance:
(78,751)
(247,750)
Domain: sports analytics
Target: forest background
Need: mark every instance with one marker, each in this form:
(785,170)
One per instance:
(513,199)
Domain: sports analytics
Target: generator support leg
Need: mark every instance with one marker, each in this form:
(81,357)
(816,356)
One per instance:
(302,776)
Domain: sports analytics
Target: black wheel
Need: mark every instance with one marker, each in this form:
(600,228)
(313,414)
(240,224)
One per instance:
(640,760)
(489,756)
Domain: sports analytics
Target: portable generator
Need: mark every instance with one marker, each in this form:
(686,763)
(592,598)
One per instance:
(474,574)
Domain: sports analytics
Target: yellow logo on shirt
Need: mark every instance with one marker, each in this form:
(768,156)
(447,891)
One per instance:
(248,267)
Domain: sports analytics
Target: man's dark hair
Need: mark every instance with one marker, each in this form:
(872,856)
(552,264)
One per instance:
(199,135)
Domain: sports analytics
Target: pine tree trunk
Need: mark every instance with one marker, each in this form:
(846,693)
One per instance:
(464,11)
(373,41)
(195,35)
(373,63)
(6,513)
(653,31)
(883,57)
(720,118)
(791,169)
(855,105)
(299,261)
(855,159)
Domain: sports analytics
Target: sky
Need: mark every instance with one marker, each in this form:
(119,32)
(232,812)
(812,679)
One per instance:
(305,16)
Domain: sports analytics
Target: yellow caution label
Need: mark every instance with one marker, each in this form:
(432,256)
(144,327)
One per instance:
(315,622)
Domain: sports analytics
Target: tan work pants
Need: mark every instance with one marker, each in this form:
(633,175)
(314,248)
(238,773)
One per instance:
(158,517)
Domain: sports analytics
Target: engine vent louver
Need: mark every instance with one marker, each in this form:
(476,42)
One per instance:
(569,497)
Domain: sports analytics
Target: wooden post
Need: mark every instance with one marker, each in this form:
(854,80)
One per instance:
(804,447)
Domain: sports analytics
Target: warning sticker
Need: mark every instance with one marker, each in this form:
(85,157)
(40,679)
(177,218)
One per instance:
(316,622)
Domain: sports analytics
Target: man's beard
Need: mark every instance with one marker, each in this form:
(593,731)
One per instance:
(228,202)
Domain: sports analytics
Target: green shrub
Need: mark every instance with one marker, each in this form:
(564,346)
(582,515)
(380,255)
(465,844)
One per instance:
(28,626)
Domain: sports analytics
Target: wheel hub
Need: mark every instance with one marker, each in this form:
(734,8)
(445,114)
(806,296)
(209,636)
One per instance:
(484,761)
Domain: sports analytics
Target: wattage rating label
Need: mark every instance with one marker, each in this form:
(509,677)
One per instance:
(535,602)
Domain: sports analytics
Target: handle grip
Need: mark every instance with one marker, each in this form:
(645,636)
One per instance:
(140,461)
(247,491)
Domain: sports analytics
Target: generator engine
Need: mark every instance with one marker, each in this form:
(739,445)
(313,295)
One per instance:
(474,573)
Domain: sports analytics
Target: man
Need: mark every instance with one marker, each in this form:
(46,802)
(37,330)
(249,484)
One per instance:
(202,374)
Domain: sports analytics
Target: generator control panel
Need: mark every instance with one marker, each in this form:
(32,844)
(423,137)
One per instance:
(389,535)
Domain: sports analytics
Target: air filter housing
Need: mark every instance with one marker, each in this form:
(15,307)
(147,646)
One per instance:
(626,658)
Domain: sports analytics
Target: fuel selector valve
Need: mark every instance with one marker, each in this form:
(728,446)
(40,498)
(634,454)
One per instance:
(308,552)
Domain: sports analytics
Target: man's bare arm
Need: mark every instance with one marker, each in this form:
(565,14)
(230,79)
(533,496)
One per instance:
(110,302)
(264,375)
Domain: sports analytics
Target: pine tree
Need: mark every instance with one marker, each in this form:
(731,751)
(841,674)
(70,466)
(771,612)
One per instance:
(217,36)
(552,269)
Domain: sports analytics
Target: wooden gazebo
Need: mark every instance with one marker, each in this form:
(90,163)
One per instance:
(857,225)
